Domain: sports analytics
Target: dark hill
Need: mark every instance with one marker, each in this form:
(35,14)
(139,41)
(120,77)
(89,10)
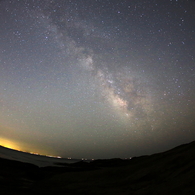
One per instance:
(171,172)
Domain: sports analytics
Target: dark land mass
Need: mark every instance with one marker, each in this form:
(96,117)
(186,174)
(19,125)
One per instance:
(171,172)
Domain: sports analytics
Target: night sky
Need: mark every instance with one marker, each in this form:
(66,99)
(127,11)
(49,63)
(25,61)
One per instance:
(97,78)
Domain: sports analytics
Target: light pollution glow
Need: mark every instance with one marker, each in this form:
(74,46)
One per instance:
(11,144)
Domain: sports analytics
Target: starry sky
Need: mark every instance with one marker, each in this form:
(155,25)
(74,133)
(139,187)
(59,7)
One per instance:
(97,78)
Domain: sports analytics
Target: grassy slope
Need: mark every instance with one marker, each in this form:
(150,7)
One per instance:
(171,172)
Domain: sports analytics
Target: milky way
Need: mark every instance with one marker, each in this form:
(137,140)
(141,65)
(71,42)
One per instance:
(96,79)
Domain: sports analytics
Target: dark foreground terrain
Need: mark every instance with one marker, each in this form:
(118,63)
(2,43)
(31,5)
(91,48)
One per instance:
(171,172)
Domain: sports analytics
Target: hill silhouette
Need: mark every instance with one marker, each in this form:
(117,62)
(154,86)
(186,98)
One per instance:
(171,172)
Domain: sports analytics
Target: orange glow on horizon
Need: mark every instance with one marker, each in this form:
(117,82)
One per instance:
(9,144)
(15,146)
